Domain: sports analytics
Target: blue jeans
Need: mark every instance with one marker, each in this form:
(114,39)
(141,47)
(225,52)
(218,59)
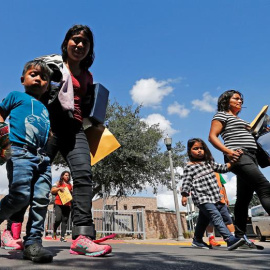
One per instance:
(29,176)
(209,212)
(225,213)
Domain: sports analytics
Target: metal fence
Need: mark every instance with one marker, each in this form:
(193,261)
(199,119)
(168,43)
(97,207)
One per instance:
(126,222)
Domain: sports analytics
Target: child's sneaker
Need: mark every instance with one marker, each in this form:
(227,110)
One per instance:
(213,242)
(37,253)
(63,239)
(200,244)
(54,237)
(83,245)
(234,242)
(8,242)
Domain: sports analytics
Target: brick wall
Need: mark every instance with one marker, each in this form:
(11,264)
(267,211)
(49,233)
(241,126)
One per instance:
(162,225)
(127,203)
(158,225)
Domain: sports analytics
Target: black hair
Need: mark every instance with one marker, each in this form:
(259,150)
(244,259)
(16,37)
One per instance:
(61,180)
(224,100)
(207,153)
(75,30)
(37,63)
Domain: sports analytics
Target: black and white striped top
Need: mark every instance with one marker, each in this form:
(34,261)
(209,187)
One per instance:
(235,134)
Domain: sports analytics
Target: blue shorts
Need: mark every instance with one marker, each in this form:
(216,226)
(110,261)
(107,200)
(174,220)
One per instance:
(224,211)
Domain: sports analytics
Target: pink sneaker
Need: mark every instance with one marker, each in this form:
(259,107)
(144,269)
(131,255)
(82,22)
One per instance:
(83,245)
(16,229)
(8,242)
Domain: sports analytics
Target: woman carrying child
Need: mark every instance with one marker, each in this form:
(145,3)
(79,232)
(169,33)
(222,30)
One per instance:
(199,179)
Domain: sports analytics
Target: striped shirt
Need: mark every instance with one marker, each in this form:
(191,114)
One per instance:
(235,134)
(200,179)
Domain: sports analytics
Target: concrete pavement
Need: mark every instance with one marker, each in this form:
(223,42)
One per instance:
(150,254)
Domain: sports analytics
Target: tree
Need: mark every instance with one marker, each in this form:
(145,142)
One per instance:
(254,201)
(139,161)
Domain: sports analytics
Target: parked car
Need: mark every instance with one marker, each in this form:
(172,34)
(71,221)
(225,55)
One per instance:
(260,222)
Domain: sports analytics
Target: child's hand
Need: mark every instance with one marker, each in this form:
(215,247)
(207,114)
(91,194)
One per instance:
(184,200)
(5,152)
(5,155)
(61,189)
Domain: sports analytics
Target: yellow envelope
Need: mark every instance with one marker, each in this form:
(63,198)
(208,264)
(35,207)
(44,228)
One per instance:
(101,142)
(65,196)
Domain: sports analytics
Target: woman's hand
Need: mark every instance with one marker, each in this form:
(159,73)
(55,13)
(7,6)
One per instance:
(61,189)
(234,155)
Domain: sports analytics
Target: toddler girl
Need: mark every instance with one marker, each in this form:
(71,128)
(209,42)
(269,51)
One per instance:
(199,179)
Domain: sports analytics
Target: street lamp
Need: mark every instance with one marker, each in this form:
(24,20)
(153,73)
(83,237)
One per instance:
(168,143)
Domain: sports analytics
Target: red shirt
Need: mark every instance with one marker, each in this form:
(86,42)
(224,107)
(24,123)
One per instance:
(80,84)
(57,198)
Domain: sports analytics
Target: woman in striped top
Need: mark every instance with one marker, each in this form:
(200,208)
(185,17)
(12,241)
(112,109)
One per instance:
(236,134)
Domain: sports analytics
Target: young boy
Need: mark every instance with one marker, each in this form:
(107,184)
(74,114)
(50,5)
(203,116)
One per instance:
(222,206)
(28,168)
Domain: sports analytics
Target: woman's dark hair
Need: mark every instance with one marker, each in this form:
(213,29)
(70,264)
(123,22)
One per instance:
(61,180)
(224,100)
(75,30)
(207,154)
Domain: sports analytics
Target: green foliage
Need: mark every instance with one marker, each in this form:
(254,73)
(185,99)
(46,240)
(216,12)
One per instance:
(255,201)
(139,161)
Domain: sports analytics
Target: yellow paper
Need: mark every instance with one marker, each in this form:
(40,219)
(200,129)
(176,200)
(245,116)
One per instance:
(65,196)
(101,142)
(255,124)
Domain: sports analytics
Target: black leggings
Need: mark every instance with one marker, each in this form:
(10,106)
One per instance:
(74,148)
(61,215)
(249,180)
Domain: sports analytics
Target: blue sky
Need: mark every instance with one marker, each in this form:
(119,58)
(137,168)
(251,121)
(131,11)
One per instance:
(176,57)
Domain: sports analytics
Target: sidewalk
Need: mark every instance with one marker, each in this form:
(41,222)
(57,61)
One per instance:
(167,242)
(149,254)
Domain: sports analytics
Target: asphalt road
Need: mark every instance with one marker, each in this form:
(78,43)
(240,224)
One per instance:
(143,256)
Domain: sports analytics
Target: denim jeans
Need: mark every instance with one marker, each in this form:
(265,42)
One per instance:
(29,178)
(249,180)
(74,148)
(209,212)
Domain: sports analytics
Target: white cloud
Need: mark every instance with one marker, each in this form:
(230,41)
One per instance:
(150,92)
(178,109)
(164,124)
(230,187)
(4,180)
(164,195)
(207,104)
(167,201)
